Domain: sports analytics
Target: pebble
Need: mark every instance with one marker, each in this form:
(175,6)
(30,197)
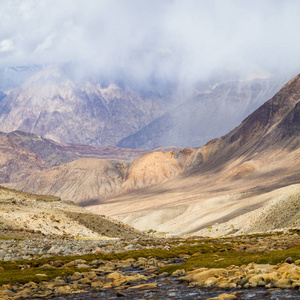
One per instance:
(31,248)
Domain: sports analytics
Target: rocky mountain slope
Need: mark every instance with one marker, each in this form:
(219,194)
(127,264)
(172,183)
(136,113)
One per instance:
(59,153)
(54,106)
(24,214)
(90,180)
(231,184)
(82,181)
(50,102)
(17,162)
(227,186)
(212,112)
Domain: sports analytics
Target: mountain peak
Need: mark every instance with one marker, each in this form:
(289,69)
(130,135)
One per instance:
(50,73)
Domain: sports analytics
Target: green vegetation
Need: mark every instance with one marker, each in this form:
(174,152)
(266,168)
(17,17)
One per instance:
(209,253)
(226,259)
(11,272)
(23,276)
(8,238)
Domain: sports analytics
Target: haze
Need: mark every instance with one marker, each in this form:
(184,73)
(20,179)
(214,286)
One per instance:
(185,40)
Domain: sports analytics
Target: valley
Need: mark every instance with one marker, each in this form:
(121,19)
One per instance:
(199,223)
(149,150)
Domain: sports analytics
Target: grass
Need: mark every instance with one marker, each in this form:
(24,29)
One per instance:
(209,253)
(8,239)
(11,273)
(27,275)
(226,259)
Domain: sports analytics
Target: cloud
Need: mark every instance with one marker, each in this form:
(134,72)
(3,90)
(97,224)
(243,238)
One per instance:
(6,45)
(185,40)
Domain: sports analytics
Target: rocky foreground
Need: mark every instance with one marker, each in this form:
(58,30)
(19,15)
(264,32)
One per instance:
(145,268)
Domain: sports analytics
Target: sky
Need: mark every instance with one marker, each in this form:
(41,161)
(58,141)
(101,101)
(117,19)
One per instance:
(171,39)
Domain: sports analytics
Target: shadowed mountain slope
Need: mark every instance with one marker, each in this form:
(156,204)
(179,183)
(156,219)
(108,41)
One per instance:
(210,113)
(90,180)
(230,181)
(17,162)
(223,185)
(58,153)
(84,180)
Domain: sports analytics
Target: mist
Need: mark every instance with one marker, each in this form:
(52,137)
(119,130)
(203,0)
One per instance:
(186,41)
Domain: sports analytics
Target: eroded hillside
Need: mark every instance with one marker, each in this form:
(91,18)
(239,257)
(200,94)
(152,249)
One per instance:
(23,214)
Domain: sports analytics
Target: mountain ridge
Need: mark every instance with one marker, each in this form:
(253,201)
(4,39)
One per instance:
(230,179)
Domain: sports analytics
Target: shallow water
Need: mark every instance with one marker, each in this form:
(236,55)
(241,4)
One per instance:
(169,289)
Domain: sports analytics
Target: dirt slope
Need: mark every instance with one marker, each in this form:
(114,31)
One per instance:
(28,215)
(17,162)
(235,177)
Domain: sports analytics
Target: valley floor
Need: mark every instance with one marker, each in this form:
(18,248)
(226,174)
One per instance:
(234,267)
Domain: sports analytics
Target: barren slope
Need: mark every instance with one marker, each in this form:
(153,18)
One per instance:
(56,153)
(236,177)
(17,162)
(82,181)
(89,180)
(23,214)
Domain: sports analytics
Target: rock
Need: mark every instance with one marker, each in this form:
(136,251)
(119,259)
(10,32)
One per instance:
(254,280)
(289,260)
(2,253)
(97,284)
(178,273)
(58,281)
(41,275)
(225,284)
(114,279)
(289,271)
(83,266)
(163,275)
(269,277)
(143,287)
(90,275)
(55,250)
(211,281)
(224,297)
(136,278)
(296,284)
(76,276)
(66,289)
(283,283)
(84,281)
(57,264)
(80,261)
(198,277)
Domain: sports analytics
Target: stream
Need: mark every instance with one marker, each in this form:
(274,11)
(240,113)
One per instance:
(168,288)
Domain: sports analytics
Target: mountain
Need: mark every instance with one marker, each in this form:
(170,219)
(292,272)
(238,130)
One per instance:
(12,77)
(55,153)
(53,105)
(82,181)
(265,145)
(215,109)
(89,180)
(17,162)
(246,181)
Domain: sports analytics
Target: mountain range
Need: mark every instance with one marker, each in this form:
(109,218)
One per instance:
(246,181)
(50,102)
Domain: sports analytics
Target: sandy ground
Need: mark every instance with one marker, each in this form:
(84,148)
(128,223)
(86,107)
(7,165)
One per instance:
(232,201)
